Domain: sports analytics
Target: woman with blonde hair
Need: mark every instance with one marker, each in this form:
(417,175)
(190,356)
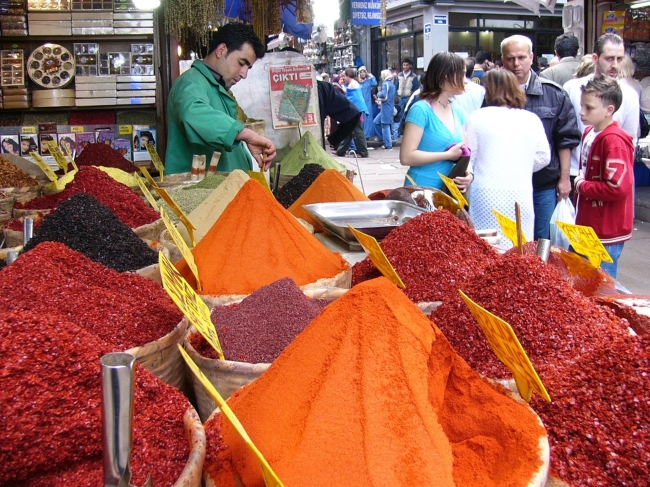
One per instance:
(585,67)
(508,144)
(433,133)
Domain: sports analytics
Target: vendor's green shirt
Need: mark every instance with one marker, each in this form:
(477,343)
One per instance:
(201,119)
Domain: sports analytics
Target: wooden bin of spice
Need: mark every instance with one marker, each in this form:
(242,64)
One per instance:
(7,201)
(163,359)
(25,194)
(226,376)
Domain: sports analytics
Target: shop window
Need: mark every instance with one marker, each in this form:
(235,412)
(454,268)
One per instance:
(392,54)
(406,49)
(398,28)
(419,53)
(418,23)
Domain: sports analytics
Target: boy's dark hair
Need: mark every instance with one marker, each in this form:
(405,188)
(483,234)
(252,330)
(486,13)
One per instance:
(482,56)
(407,60)
(567,45)
(470,62)
(234,35)
(605,88)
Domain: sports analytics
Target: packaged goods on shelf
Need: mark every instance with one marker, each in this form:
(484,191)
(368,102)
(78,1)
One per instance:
(12,63)
(136,86)
(92,5)
(48,5)
(91,102)
(136,79)
(135,93)
(108,78)
(150,100)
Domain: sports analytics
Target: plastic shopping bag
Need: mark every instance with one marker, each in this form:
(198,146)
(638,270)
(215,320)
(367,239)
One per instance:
(564,212)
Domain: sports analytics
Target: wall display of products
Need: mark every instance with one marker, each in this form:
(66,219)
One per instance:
(13,68)
(345,48)
(51,66)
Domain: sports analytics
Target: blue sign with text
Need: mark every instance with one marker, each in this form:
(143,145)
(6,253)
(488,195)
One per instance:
(365,13)
(440,19)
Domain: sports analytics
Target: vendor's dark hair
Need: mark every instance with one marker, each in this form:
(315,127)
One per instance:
(605,88)
(604,39)
(444,66)
(567,45)
(482,56)
(234,35)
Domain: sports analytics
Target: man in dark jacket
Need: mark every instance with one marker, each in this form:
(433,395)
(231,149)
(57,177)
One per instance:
(552,105)
(336,106)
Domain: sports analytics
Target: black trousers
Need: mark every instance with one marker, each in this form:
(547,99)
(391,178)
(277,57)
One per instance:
(346,132)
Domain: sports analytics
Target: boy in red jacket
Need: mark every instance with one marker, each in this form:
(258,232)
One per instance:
(604,187)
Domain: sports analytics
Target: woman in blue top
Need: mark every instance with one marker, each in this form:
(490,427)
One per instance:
(434,133)
(384,120)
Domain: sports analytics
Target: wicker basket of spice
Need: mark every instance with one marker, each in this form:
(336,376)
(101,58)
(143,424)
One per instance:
(7,201)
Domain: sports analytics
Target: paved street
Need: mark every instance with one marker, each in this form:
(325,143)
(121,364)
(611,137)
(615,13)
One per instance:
(382,170)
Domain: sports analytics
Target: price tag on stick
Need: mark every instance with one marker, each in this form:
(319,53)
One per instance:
(67,152)
(507,348)
(145,191)
(155,159)
(270,477)
(40,162)
(148,177)
(182,246)
(55,151)
(377,256)
(509,228)
(190,303)
(585,242)
(178,212)
(453,189)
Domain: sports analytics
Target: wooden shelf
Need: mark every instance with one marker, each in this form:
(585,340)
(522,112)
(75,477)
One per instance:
(79,109)
(84,38)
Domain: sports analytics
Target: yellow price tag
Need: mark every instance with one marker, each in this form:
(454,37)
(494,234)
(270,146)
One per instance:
(507,348)
(585,242)
(56,152)
(178,212)
(27,130)
(77,129)
(260,178)
(453,189)
(155,159)
(190,303)
(509,228)
(125,129)
(145,171)
(270,477)
(182,246)
(377,256)
(40,162)
(145,191)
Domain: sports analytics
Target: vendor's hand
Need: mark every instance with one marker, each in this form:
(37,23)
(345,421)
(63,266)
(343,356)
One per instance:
(563,188)
(455,152)
(463,182)
(263,151)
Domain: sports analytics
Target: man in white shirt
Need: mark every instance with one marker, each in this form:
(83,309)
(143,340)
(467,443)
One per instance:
(474,94)
(610,51)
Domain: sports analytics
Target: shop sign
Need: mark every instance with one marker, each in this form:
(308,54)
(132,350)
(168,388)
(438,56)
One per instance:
(440,19)
(365,12)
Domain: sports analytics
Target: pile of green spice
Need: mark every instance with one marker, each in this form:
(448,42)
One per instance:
(186,200)
(296,158)
(208,182)
(85,225)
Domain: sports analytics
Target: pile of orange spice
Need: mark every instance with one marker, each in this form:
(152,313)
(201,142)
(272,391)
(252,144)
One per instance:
(329,187)
(255,242)
(371,393)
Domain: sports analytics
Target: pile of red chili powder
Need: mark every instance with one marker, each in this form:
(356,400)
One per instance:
(262,325)
(371,391)
(51,426)
(100,154)
(555,324)
(125,310)
(121,200)
(433,253)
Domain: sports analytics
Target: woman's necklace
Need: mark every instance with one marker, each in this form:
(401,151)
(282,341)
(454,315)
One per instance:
(444,105)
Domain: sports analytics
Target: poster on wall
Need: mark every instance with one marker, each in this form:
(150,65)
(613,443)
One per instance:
(293,97)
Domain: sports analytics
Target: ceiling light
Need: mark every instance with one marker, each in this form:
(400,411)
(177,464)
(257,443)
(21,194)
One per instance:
(641,4)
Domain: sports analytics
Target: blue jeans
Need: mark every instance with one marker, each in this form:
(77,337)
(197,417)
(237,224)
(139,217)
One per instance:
(395,130)
(615,251)
(544,202)
(385,130)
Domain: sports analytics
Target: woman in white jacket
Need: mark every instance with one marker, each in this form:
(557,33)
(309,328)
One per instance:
(508,144)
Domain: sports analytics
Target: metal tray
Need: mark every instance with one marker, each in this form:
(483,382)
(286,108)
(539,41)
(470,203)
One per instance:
(375,218)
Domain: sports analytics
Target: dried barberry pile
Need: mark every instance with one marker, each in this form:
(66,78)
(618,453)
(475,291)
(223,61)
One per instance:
(100,154)
(433,253)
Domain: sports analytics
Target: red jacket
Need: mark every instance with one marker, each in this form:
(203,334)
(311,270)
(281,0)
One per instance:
(605,197)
